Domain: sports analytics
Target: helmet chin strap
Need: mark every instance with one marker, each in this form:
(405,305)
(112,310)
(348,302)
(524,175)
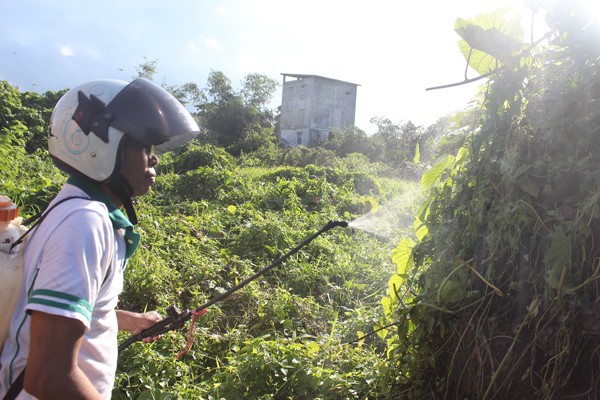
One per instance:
(124,192)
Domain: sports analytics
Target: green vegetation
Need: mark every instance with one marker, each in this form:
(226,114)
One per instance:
(210,224)
(214,218)
(498,297)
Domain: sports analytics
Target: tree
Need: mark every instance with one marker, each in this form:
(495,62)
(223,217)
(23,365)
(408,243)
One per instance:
(218,88)
(147,69)
(255,139)
(24,119)
(37,119)
(189,93)
(257,90)
(226,113)
(399,142)
(12,130)
(353,140)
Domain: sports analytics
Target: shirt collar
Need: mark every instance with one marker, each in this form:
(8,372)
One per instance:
(117,217)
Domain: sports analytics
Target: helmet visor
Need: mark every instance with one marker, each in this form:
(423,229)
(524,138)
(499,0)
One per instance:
(149,114)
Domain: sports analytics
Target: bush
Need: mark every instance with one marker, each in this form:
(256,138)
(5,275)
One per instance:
(194,155)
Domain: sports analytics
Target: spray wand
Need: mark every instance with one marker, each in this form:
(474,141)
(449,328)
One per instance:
(176,319)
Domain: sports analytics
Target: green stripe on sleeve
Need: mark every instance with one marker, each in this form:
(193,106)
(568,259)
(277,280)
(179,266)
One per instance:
(45,297)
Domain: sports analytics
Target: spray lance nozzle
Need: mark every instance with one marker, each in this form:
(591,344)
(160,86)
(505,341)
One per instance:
(334,223)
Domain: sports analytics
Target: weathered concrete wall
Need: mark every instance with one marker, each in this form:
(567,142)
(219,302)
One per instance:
(312,105)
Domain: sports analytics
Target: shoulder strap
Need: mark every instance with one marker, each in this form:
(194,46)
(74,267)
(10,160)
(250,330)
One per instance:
(40,217)
(16,387)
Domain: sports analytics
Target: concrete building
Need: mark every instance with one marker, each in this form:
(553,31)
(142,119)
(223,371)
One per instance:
(311,105)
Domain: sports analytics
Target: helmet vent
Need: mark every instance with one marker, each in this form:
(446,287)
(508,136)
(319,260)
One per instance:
(92,116)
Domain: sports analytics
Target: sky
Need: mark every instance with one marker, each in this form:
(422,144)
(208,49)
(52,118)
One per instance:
(393,49)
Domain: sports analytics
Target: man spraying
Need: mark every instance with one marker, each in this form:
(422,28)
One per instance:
(63,334)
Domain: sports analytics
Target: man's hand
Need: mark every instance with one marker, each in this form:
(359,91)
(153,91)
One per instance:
(135,323)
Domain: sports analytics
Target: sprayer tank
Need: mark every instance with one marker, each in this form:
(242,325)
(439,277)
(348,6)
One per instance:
(11,262)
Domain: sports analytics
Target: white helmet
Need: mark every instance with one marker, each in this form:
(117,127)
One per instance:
(92,121)
(89,123)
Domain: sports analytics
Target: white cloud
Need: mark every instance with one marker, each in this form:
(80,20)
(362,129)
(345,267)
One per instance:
(220,9)
(66,51)
(192,46)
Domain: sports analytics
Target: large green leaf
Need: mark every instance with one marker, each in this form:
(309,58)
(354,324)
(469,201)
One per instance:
(394,284)
(435,173)
(402,255)
(490,40)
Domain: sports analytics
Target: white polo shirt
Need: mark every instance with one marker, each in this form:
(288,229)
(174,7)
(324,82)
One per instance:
(74,264)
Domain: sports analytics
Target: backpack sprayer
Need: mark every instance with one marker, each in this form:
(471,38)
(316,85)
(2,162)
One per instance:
(176,319)
(11,262)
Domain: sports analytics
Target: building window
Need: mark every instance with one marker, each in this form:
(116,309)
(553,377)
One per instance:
(299,134)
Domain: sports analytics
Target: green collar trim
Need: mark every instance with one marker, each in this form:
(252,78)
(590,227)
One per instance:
(118,219)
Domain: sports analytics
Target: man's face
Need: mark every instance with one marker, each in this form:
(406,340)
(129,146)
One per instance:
(138,167)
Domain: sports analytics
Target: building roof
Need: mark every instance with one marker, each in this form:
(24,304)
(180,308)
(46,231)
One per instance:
(302,76)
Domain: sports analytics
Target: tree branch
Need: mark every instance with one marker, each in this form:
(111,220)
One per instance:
(492,72)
